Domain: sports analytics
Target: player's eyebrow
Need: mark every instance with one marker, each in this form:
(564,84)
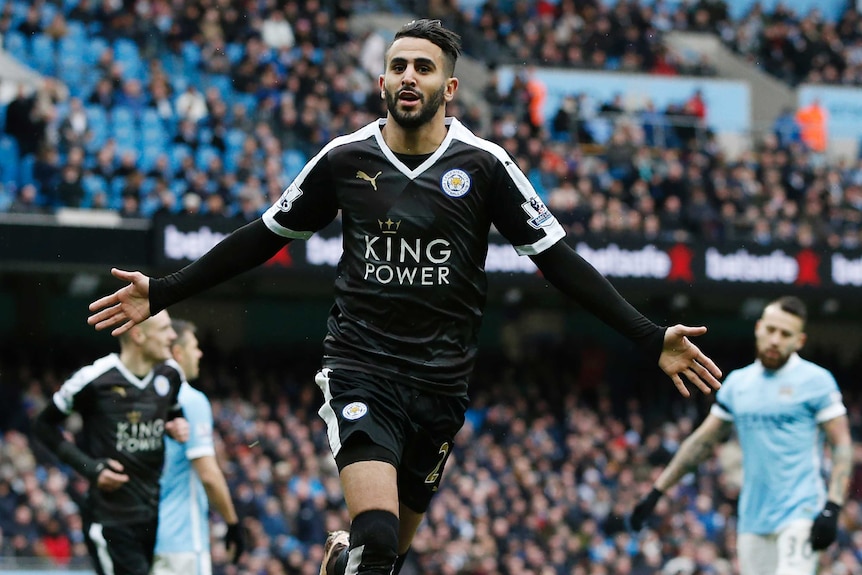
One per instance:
(416,61)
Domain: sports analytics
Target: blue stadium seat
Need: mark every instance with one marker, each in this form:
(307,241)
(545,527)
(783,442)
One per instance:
(47,13)
(234,139)
(235,52)
(73,47)
(75,29)
(122,117)
(7,196)
(17,44)
(204,155)
(93,185)
(178,187)
(127,55)
(96,45)
(25,170)
(43,54)
(8,161)
(178,152)
(294,160)
(191,55)
(223,83)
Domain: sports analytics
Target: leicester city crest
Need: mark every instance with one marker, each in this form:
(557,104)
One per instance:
(354,410)
(455,183)
(161,385)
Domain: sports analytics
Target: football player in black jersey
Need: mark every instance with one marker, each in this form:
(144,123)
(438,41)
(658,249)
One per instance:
(127,402)
(418,194)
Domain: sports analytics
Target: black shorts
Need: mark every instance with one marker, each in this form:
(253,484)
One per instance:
(370,418)
(122,549)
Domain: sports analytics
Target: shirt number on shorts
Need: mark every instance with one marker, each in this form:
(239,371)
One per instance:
(435,475)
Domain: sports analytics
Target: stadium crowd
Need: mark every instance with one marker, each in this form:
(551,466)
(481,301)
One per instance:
(556,450)
(188,108)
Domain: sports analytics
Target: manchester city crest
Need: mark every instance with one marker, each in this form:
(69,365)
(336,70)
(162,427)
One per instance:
(455,183)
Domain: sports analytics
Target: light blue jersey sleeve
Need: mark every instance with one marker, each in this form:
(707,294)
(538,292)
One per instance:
(777,415)
(183,506)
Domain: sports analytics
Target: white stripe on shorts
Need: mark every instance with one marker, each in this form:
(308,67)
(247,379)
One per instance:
(327,413)
(102,553)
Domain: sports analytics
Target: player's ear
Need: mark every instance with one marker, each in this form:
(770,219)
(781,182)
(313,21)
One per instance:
(800,342)
(451,87)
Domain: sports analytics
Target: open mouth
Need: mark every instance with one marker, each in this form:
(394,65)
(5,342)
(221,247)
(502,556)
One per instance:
(408,98)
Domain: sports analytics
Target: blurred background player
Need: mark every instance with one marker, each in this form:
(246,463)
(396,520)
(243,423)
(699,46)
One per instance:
(126,402)
(192,479)
(782,406)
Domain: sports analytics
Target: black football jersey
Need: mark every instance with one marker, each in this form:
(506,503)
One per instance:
(124,419)
(410,287)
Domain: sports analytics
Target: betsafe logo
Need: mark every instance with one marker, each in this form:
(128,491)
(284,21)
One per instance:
(778,266)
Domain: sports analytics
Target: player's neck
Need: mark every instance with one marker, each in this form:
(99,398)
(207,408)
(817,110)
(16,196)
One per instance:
(136,363)
(423,140)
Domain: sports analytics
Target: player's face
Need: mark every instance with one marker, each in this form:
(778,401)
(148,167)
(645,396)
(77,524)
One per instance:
(158,337)
(415,85)
(188,354)
(778,335)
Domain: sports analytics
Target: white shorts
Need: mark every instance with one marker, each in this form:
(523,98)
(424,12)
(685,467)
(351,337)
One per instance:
(787,552)
(186,563)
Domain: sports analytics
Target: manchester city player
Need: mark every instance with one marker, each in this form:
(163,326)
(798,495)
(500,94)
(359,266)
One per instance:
(782,406)
(418,194)
(192,479)
(127,402)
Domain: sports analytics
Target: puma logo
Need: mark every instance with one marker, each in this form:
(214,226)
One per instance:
(119,390)
(363,176)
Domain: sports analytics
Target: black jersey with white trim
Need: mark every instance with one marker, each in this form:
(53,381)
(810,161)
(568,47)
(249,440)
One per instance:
(410,287)
(124,419)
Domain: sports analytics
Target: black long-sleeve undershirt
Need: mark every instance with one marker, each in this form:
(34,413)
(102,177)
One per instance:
(46,428)
(243,250)
(576,278)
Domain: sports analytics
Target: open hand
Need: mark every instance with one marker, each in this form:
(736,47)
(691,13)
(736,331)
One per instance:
(111,476)
(681,357)
(128,306)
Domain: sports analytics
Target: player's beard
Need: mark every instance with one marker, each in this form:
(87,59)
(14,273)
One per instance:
(772,361)
(416,118)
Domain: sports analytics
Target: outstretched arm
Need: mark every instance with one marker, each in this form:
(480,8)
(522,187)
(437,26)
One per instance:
(677,356)
(694,450)
(838,435)
(242,250)
(824,530)
(216,487)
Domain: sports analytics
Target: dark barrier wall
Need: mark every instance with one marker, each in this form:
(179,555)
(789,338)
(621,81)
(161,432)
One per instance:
(170,243)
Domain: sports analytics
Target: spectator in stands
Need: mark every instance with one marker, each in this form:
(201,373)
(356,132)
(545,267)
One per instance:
(276,31)
(69,191)
(813,120)
(20,122)
(26,201)
(191,105)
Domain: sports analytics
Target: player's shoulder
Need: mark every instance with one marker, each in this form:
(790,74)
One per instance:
(815,372)
(463,134)
(92,372)
(742,374)
(364,137)
(193,398)
(170,368)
